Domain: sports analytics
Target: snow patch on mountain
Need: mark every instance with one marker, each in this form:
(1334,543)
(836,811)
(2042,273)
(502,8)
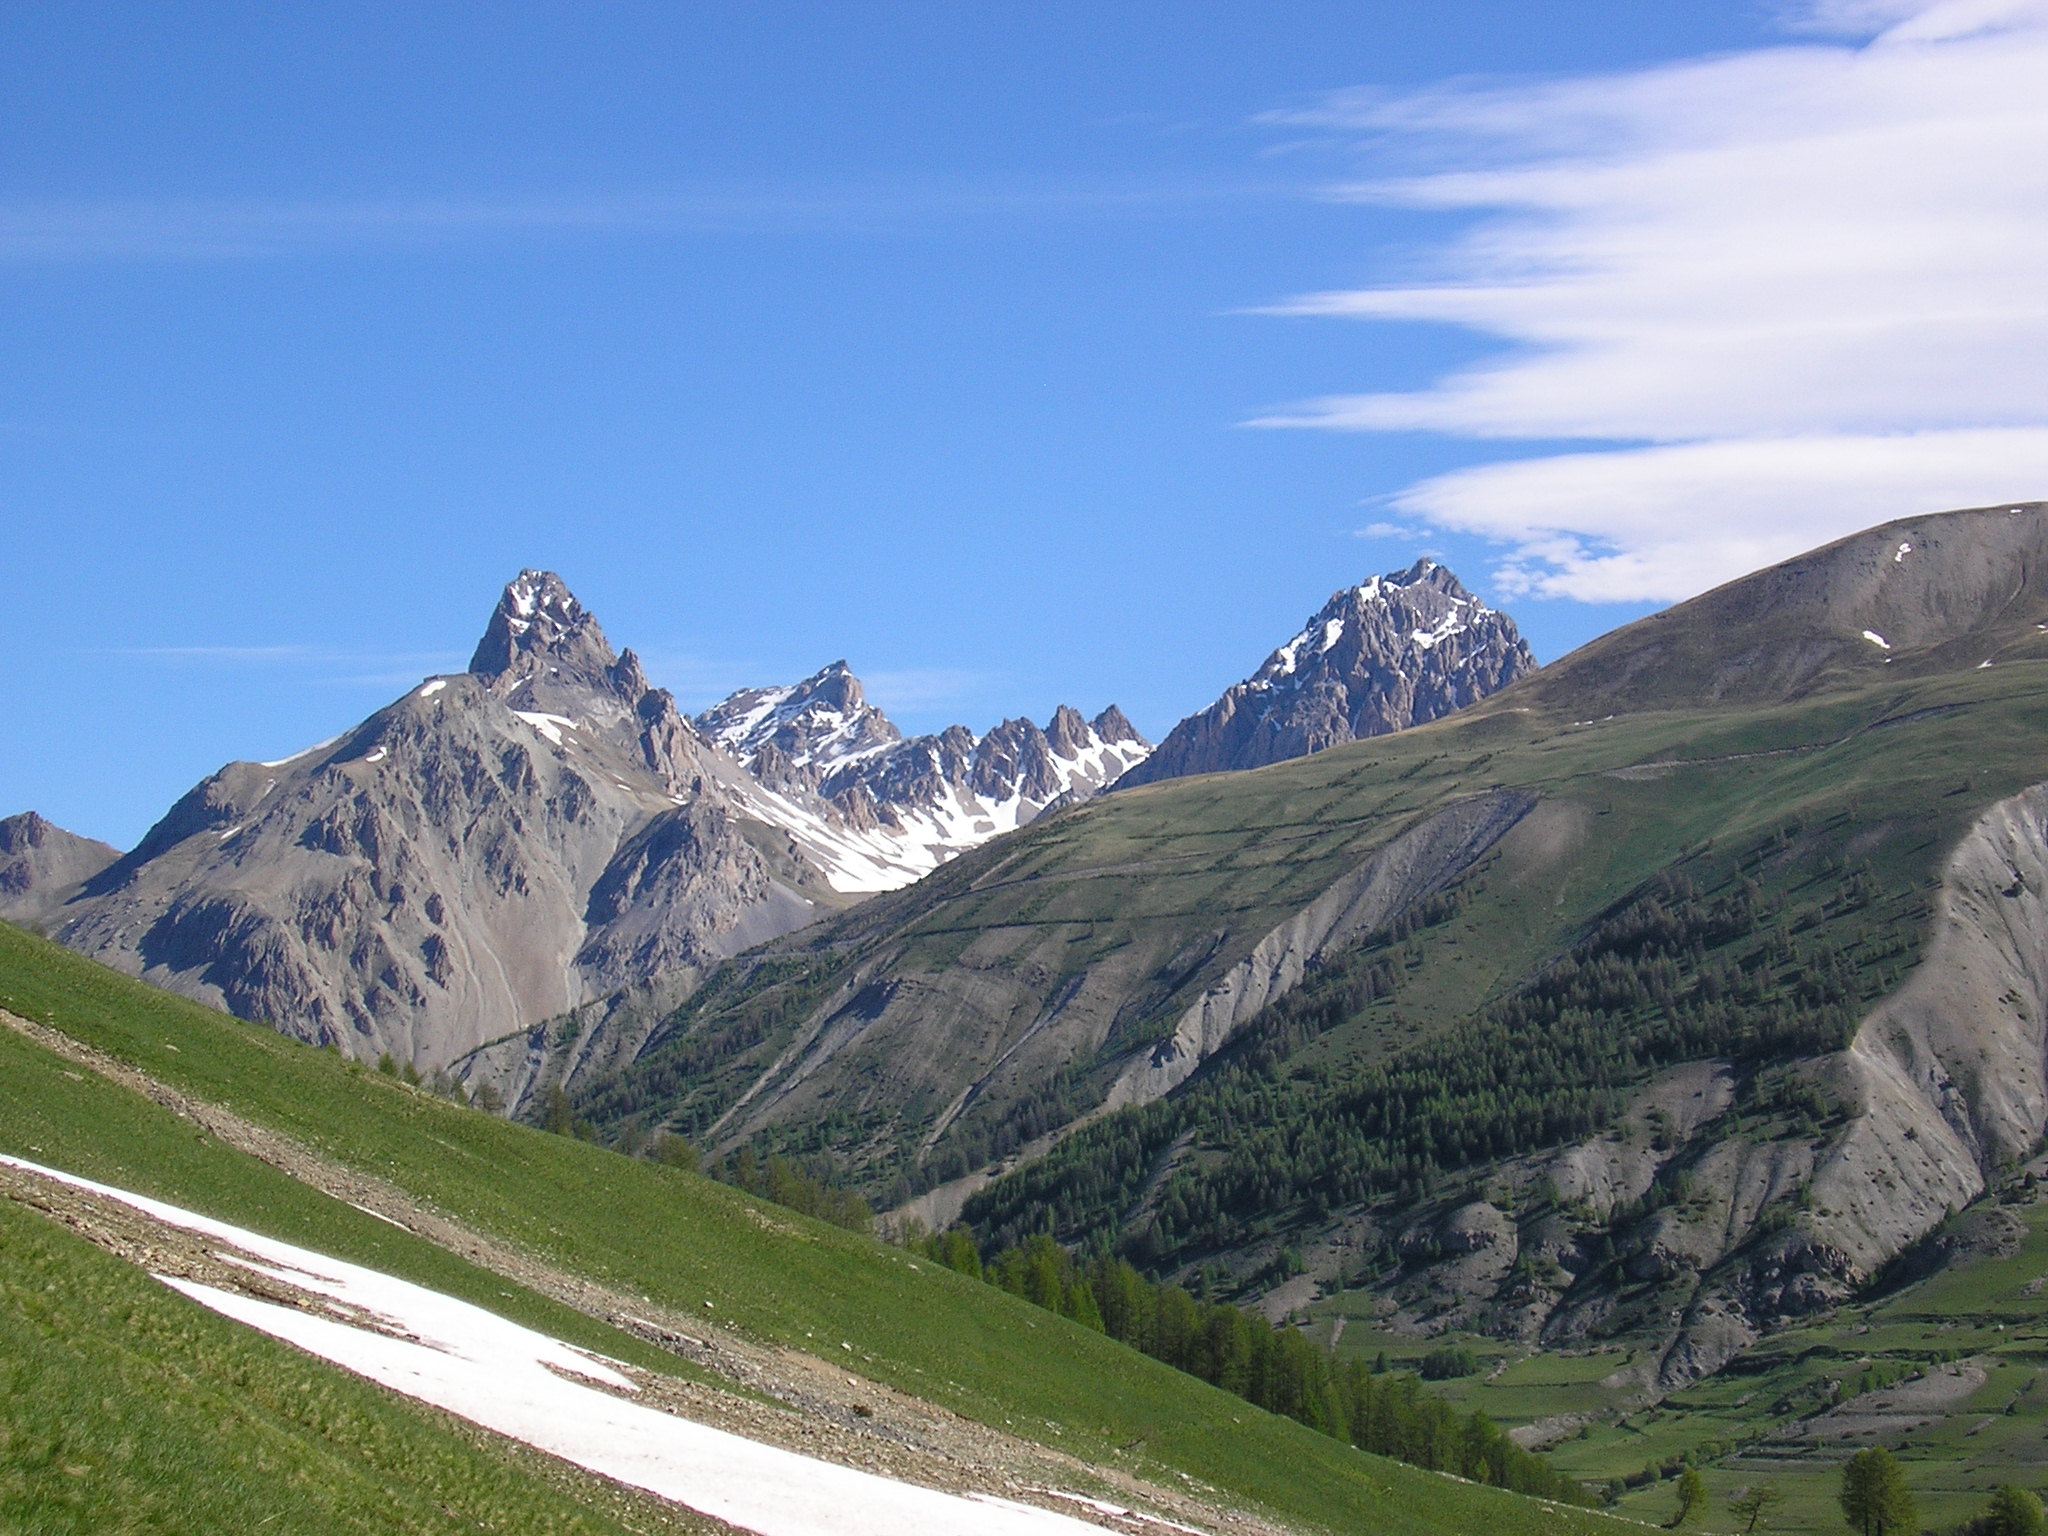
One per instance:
(875,810)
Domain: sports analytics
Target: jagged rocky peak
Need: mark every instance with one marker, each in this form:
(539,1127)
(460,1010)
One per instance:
(1398,650)
(1112,728)
(875,809)
(800,733)
(540,635)
(544,654)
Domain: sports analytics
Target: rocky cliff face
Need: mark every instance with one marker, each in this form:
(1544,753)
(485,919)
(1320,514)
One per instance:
(1401,650)
(486,852)
(42,866)
(1944,1085)
(876,810)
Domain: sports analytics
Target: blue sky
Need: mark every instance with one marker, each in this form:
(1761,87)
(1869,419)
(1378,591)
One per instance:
(1019,354)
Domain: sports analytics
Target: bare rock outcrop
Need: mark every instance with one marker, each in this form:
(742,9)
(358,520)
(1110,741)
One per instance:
(1421,861)
(42,866)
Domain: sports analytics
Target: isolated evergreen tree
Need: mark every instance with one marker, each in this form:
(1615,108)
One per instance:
(1753,1503)
(2012,1512)
(559,1121)
(1692,1497)
(1875,1499)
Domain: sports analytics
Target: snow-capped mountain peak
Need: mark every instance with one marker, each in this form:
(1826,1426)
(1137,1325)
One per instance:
(803,731)
(1394,651)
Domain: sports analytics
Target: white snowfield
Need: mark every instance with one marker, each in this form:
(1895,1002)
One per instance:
(550,726)
(505,1377)
(927,835)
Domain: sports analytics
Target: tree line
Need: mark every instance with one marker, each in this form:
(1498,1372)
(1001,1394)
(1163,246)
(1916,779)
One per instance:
(1275,1368)
(1679,971)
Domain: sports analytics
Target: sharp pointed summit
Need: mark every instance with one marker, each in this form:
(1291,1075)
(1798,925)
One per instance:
(541,642)
(1398,650)
(491,849)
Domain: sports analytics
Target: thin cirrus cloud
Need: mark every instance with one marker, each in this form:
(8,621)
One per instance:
(1801,288)
(310,663)
(173,229)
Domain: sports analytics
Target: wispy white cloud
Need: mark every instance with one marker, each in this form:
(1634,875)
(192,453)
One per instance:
(1913,19)
(915,689)
(241,229)
(327,665)
(1675,519)
(1806,286)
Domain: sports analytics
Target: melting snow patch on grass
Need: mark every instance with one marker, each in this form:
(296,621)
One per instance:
(519,1383)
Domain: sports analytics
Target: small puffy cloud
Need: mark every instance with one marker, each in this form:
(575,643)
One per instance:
(1805,286)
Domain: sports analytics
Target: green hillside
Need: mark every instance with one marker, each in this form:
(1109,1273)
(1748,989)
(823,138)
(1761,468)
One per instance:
(681,1240)
(1878,781)
(1745,899)
(1873,695)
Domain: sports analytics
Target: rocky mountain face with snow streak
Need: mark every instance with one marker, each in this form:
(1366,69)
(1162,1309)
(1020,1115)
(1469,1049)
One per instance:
(486,852)
(1400,650)
(876,810)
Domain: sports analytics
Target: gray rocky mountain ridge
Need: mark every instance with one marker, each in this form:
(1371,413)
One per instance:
(492,848)
(544,829)
(1396,651)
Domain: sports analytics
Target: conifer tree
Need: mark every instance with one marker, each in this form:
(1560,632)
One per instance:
(2012,1512)
(1692,1497)
(1875,1499)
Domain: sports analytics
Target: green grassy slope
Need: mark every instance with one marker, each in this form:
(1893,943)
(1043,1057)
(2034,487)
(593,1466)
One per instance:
(1823,824)
(999,997)
(676,1238)
(126,1408)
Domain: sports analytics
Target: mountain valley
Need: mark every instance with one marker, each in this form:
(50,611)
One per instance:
(1651,1048)
(1656,1005)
